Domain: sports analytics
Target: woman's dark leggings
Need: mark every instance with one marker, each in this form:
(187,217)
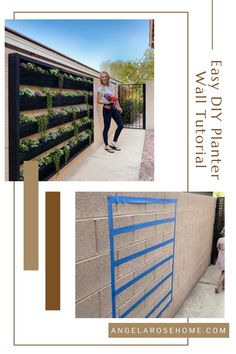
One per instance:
(107,115)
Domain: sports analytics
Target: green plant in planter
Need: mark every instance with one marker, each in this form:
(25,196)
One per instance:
(83,136)
(74,109)
(79,123)
(79,79)
(56,157)
(44,161)
(60,81)
(62,112)
(24,119)
(73,141)
(42,125)
(66,150)
(49,95)
(80,137)
(71,77)
(85,121)
(49,105)
(54,71)
(24,147)
(72,94)
(32,144)
(86,95)
(26,92)
(76,131)
(66,129)
(40,70)
(90,134)
(83,107)
(31,66)
(52,136)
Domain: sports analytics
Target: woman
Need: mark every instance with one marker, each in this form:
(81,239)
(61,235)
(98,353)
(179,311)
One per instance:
(220,263)
(111,109)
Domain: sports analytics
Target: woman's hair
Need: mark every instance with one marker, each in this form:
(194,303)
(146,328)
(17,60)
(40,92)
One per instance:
(105,72)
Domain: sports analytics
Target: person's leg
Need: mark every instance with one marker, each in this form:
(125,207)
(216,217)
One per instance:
(107,123)
(117,118)
(222,278)
(220,282)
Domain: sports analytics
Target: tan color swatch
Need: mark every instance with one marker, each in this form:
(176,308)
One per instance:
(31,215)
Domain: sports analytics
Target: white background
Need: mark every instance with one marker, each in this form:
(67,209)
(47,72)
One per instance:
(52,326)
(168,179)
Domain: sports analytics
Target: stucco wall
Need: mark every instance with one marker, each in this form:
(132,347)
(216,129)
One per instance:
(21,45)
(150,105)
(194,230)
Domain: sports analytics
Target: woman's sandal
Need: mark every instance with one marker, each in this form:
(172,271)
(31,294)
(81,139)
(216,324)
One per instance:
(115,148)
(109,150)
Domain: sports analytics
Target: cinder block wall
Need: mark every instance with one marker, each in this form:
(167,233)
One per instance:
(194,230)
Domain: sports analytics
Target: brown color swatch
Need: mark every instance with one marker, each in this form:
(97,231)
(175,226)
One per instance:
(52,250)
(31,215)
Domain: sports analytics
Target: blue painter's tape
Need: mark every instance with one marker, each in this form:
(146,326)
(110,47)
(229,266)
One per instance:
(140,253)
(164,308)
(137,303)
(173,251)
(158,304)
(114,263)
(142,275)
(124,229)
(137,200)
(112,259)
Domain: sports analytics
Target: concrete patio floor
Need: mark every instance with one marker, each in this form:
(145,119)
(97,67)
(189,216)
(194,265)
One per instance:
(202,302)
(123,165)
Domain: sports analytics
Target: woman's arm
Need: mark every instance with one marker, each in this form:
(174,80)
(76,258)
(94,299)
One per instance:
(119,107)
(101,100)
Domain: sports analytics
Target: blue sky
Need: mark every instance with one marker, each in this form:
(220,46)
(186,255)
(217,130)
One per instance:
(89,41)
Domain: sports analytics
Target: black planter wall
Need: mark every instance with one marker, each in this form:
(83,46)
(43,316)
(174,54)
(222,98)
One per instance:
(33,73)
(46,172)
(32,128)
(29,103)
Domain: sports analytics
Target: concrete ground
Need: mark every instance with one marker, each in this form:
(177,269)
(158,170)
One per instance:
(202,302)
(147,165)
(123,165)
